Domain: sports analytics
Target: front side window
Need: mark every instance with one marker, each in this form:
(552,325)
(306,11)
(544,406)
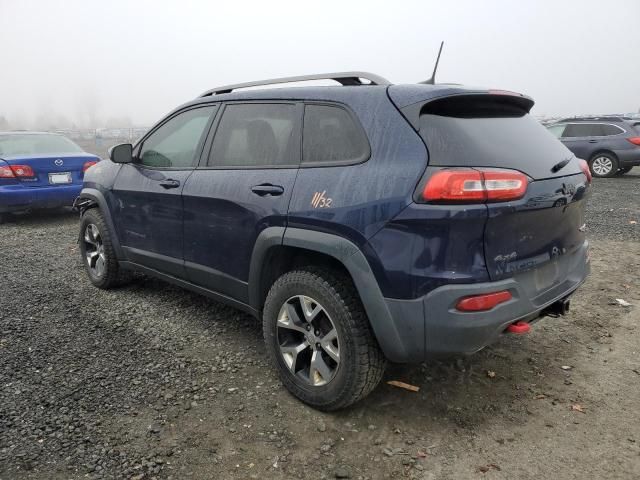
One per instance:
(175,143)
(330,135)
(556,130)
(257,135)
(575,130)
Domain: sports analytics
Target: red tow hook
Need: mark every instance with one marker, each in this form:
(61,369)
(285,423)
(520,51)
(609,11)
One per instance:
(519,328)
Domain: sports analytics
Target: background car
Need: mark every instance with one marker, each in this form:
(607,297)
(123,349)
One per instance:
(39,170)
(611,145)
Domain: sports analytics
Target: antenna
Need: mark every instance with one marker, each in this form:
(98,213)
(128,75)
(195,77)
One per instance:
(432,80)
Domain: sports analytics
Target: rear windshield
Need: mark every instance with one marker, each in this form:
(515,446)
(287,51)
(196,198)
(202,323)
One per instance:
(471,135)
(36,144)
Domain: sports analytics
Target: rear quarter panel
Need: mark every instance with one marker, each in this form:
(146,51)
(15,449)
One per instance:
(364,197)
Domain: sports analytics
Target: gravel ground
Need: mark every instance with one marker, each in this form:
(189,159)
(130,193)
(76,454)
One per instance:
(150,381)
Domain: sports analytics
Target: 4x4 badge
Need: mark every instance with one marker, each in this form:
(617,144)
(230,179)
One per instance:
(320,201)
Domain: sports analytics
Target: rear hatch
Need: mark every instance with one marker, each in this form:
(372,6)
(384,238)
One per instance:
(539,236)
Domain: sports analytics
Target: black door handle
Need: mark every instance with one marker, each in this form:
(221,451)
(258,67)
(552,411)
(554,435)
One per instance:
(267,189)
(170,183)
(593,141)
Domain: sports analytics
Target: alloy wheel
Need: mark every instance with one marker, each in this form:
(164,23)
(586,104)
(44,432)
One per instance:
(602,165)
(94,250)
(308,340)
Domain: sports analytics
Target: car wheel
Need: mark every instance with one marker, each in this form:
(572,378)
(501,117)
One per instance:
(603,165)
(4,217)
(624,170)
(320,340)
(97,252)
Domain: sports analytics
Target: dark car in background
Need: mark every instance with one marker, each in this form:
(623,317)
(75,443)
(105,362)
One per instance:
(39,170)
(611,145)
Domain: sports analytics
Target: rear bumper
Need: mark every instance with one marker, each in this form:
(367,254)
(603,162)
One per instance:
(16,198)
(431,325)
(628,158)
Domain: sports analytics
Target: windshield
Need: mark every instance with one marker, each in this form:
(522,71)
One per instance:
(36,144)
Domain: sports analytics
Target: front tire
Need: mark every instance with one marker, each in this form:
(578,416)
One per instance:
(98,254)
(320,340)
(603,165)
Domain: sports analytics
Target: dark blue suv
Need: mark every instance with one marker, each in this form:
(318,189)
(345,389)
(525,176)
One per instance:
(361,223)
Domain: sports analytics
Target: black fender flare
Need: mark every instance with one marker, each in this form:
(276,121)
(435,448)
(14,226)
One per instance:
(97,199)
(352,258)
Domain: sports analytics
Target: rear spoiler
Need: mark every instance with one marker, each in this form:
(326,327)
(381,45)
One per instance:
(467,104)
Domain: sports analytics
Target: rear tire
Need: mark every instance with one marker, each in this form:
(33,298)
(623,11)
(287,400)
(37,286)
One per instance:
(97,252)
(603,165)
(624,170)
(305,308)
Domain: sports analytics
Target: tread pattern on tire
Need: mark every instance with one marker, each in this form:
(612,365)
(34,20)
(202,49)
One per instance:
(370,361)
(114,275)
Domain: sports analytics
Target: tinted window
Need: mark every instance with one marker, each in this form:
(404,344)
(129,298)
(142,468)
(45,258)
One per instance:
(583,130)
(514,141)
(256,135)
(174,144)
(330,135)
(610,130)
(36,144)
(556,130)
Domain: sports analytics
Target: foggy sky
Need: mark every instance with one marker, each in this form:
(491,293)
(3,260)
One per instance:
(91,61)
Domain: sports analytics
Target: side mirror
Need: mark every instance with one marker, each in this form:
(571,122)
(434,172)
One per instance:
(122,153)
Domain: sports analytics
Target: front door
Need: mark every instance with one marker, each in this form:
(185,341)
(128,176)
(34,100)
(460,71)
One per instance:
(242,187)
(147,194)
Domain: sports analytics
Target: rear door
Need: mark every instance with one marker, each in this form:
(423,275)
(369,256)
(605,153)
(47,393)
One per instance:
(544,231)
(242,186)
(582,138)
(147,194)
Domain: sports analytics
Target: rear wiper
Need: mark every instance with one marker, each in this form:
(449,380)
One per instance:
(560,165)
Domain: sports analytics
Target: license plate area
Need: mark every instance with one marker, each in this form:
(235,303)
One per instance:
(547,275)
(60,178)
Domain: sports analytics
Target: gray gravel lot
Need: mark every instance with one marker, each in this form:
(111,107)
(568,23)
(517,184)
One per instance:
(150,381)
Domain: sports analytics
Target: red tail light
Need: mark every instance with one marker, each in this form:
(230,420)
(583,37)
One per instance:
(88,165)
(480,303)
(634,140)
(467,185)
(584,166)
(20,171)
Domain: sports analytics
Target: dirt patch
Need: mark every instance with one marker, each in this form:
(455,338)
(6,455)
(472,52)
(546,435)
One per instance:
(152,381)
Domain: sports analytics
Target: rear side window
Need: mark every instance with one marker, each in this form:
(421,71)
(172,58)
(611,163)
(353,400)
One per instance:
(609,130)
(331,136)
(478,132)
(256,135)
(175,143)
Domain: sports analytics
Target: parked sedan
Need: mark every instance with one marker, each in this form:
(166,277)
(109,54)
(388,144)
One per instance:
(39,170)
(611,145)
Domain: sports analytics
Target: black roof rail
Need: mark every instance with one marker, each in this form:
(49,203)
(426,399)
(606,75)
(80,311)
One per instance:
(611,118)
(344,78)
